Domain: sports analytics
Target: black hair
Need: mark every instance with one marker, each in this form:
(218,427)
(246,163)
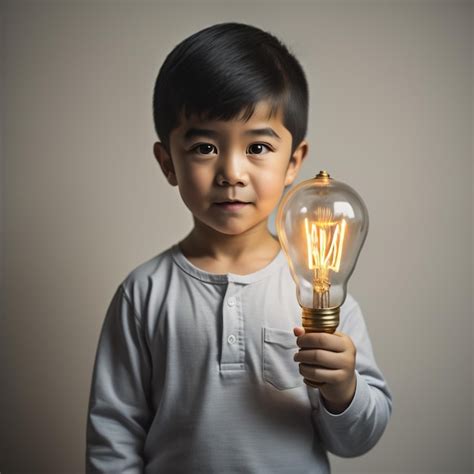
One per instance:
(224,70)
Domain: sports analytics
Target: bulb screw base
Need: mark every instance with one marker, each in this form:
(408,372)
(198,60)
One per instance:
(320,319)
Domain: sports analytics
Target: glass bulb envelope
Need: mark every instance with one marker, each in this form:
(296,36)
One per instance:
(322,225)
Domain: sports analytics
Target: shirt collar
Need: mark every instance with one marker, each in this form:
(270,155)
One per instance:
(224,278)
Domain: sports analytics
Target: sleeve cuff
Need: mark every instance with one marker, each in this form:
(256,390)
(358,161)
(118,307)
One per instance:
(358,404)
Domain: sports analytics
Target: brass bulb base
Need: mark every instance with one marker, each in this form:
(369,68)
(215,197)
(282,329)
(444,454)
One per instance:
(320,320)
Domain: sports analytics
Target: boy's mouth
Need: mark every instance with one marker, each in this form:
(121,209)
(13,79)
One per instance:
(231,205)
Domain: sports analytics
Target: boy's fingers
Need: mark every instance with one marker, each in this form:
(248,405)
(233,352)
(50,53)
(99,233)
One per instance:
(322,340)
(319,358)
(298,331)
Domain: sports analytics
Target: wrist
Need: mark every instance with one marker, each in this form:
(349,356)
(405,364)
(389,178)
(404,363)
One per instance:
(343,400)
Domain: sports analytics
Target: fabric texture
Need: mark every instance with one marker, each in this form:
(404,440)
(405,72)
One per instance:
(194,373)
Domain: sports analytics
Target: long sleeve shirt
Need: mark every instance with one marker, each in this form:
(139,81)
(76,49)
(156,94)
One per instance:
(194,373)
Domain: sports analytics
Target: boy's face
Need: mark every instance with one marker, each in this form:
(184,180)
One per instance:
(216,161)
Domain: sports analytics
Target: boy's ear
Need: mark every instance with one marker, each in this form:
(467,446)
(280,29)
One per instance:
(166,164)
(296,161)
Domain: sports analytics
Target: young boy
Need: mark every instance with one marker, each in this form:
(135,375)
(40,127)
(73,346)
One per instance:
(195,368)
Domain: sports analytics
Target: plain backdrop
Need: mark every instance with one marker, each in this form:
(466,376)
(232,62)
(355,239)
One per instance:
(84,201)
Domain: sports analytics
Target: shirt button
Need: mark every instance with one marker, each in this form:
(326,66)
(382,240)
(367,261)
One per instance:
(231,301)
(231,339)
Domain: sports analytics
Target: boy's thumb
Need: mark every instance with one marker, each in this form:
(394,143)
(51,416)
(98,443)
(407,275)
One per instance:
(298,331)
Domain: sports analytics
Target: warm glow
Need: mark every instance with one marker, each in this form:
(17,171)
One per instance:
(324,241)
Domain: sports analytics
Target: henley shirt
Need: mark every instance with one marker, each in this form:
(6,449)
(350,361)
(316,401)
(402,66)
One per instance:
(194,373)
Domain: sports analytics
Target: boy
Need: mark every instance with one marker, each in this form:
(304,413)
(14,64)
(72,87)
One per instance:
(194,371)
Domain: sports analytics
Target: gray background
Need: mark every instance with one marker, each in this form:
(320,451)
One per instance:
(84,201)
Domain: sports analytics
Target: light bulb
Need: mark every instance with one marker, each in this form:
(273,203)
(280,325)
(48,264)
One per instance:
(322,225)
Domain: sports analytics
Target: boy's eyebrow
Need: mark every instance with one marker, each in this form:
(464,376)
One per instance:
(204,132)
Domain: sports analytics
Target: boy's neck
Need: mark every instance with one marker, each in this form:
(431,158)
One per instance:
(205,243)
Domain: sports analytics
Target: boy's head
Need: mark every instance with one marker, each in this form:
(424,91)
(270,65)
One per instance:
(230,78)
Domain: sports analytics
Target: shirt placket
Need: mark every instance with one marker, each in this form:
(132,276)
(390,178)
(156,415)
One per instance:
(233,337)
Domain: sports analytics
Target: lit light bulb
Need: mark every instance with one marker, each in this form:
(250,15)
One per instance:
(322,225)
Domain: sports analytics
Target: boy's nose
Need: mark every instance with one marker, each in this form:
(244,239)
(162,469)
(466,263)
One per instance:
(231,171)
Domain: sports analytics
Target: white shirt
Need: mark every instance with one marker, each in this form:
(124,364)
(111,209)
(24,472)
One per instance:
(194,373)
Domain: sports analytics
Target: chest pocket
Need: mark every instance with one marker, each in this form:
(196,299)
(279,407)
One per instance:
(279,368)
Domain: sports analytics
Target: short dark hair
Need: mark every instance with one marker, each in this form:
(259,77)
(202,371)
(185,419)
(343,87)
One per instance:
(225,69)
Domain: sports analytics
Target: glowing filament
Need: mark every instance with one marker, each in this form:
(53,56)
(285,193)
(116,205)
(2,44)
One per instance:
(324,240)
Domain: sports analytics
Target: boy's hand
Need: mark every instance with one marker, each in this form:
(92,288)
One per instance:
(328,360)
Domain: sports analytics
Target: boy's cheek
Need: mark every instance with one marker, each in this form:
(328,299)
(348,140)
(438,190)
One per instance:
(271,184)
(192,186)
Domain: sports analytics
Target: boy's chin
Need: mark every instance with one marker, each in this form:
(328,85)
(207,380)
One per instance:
(231,232)
(232,228)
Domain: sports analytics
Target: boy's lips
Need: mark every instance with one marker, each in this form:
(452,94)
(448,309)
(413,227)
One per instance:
(231,205)
(231,201)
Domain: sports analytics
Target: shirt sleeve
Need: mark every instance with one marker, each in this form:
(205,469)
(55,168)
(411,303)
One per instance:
(358,428)
(119,412)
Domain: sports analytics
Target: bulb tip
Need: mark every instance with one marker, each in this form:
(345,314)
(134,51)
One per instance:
(323,174)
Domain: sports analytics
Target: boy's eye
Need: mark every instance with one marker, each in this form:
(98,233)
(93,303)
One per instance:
(204,148)
(257,147)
